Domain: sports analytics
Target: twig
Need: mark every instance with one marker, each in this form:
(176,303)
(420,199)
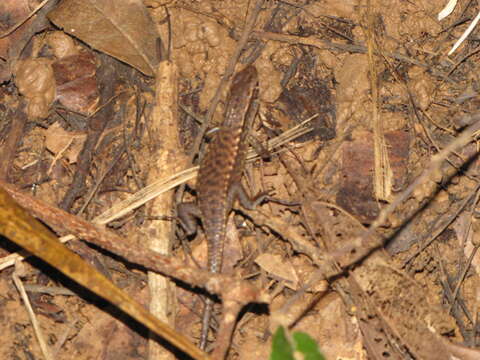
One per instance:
(33,318)
(249,24)
(355,48)
(63,222)
(153,190)
(448,219)
(231,309)
(96,125)
(99,180)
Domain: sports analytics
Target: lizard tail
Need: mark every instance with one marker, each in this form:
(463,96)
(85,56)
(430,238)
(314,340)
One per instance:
(207,314)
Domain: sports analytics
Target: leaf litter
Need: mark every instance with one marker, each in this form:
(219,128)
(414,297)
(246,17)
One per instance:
(386,100)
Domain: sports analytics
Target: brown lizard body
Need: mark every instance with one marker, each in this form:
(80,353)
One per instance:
(219,177)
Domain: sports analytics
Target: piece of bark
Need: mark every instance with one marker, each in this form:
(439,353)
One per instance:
(165,159)
(9,146)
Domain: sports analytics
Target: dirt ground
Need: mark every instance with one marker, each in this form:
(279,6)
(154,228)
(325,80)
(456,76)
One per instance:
(372,248)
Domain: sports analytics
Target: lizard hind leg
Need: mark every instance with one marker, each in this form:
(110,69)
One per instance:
(238,192)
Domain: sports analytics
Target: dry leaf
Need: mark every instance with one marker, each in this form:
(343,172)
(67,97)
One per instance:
(120,28)
(59,141)
(279,267)
(355,193)
(75,76)
(12,12)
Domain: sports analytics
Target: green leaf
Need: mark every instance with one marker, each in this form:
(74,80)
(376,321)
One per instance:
(305,345)
(281,347)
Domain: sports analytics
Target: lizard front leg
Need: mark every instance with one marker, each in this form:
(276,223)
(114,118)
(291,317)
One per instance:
(188,213)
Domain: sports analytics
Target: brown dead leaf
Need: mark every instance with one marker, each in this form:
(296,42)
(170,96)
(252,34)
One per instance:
(12,12)
(120,28)
(58,141)
(279,267)
(76,82)
(356,191)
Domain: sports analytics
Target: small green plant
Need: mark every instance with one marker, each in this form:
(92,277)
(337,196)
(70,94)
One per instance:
(284,348)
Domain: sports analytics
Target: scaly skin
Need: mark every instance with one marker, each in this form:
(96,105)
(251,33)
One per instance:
(220,174)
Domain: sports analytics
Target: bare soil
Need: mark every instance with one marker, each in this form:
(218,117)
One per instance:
(386,102)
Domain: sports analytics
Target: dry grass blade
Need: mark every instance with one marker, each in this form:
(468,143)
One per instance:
(151,191)
(383,172)
(33,318)
(27,232)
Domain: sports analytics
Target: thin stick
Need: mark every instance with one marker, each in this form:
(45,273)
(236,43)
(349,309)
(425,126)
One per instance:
(33,318)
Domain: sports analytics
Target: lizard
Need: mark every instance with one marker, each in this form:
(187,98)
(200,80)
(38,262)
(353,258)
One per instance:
(219,177)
